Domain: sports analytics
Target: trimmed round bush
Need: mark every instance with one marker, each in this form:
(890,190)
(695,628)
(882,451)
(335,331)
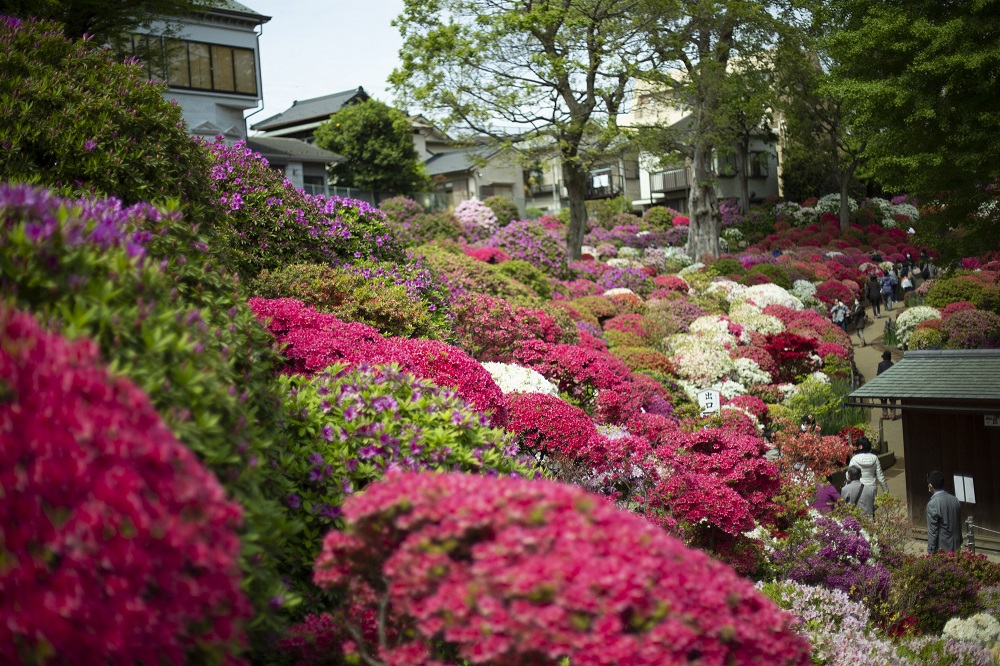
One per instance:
(950,309)
(273,224)
(464,274)
(972,329)
(118,546)
(167,317)
(659,217)
(644,359)
(77,120)
(507,571)
(400,211)
(934,588)
(547,425)
(473,213)
(776,274)
(489,329)
(927,338)
(542,248)
(528,275)
(346,427)
(907,321)
(950,290)
(504,209)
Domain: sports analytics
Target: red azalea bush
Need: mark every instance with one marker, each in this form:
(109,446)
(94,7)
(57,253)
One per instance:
(756,354)
(957,306)
(628,323)
(312,341)
(820,453)
(831,289)
(825,349)
(588,341)
(627,303)
(504,571)
(119,547)
(490,328)
(491,255)
(578,372)
(791,354)
(641,394)
(755,406)
(671,283)
(546,425)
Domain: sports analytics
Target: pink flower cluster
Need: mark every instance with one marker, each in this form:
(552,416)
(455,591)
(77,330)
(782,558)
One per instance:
(490,328)
(312,341)
(118,546)
(579,372)
(547,425)
(490,255)
(506,571)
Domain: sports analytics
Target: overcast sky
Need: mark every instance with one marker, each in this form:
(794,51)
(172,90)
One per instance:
(312,48)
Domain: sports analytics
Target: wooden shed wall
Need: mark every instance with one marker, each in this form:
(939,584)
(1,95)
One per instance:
(959,444)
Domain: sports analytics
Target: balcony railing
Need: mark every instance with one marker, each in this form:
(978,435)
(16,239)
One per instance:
(668,181)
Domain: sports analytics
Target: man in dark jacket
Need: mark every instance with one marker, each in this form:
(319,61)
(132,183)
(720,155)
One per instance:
(873,293)
(944,517)
(882,367)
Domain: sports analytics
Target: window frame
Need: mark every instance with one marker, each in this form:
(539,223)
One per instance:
(161,69)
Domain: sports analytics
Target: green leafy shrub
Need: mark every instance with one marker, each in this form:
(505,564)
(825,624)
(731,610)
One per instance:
(933,589)
(660,218)
(598,306)
(76,120)
(345,428)
(461,273)
(167,317)
(949,290)
(616,338)
(353,296)
(273,224)
(505,209)
(777,274)
(527,275)
(927,338)
(643,359)
(988,299)
(727,267)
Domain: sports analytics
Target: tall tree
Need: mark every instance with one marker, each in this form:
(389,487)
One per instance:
(107,21)
(377,141)
(697,42)
(922,75)
(750,97)
(555,72)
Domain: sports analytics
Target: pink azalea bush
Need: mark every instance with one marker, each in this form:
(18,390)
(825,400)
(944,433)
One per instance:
(119,547)
(490,328)
(578,372)
(535,571)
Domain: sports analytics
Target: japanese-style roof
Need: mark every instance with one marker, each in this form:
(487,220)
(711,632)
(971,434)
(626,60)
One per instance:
(280,148)
(233,7)
(457,161)
(315,110)
(938,375)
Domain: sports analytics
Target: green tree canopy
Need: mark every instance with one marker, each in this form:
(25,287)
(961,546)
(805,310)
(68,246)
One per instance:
(922,76)
(377,141)
(552,73)
(106,20)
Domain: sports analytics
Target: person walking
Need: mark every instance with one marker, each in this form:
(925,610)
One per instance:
(858,494)
(874,295)
(838,313)
(859,317)
(944,517)
(884,365)
(868,463)
(886,286)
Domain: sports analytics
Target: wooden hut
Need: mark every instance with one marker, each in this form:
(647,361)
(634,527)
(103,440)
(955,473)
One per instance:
(950,405)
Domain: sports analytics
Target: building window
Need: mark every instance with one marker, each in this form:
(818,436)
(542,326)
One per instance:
(197,65)
(758,164)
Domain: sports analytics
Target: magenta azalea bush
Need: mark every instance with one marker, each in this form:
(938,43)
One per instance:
(118,546)
(972,329)
(528,241)
(505,571)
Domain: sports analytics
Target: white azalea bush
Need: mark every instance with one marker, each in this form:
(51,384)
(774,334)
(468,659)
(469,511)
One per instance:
(907,321)
(619,262)
(629,253)
(618,291)
(749,373)
(699,359)
(726,287)
(803,290)
(691,268)
(830,203)
(762,295)
(751,318)
(516,379)
(982,628)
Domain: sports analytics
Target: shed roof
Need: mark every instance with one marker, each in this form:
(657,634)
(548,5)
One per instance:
(457,161)
(311,110)
(939,375)
(274,148)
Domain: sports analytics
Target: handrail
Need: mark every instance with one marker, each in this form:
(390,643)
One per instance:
(970,535)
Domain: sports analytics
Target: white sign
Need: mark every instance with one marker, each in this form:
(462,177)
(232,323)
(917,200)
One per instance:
(965,490)
(709,401)
(992,420)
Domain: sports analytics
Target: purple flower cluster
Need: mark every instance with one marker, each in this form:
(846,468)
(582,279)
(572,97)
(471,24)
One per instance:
(626,278)
(526,240)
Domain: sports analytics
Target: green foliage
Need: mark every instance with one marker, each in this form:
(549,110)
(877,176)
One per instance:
(527,275)
(76,120)
(342,430)
(616,338)
(933,589)
(377,141)
(176,326)
(505,209)
(949,290)
(660,218)
(461,272)
(598,306)
(603,210)
(353,296)
(920,78)
(105,21)
(825,402)
(927,338)
(776,274)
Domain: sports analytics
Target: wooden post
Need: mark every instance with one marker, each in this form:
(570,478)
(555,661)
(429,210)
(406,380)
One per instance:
(970,537)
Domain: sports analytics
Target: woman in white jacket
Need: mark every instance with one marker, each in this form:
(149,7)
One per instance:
(867,462)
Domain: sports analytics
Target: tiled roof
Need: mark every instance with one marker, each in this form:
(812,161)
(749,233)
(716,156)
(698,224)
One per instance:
(271,147)
(233,7)
(972,374)
(307,110)
(455,161)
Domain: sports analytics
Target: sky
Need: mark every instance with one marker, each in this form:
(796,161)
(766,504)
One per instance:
(312,48)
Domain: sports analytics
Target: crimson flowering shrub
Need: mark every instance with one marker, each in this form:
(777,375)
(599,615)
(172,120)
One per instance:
(831,289)
(627,303)
(490,328)
(346,427)
(589,341)
(540,247)
(753,405)
(273,224)
(758,355)
(792,354)
(641,394)
(628,323)
(313,341)
(952,308)
(489,255)
(671,283)
(581,287)
(820,453)
(972,329)
(119,547)
(546,425)
(578,372)
(519,574)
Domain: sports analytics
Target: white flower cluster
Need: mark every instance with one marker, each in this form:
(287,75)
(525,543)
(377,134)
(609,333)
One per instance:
(908,211)
(629,253)
(830,203)
(699,359)
(803,290)
(820,377)
(589,249)
(673,255)
(618,291)
(474,211)
(728,388)
(883,205)
(618,262)
(763,295)
(733,235)
(908,320)
(750,317)
(727,287)
(749,373)
(612,431)
(691,268)
(981,628)
(516,379)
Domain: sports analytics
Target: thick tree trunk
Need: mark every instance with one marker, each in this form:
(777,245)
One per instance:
(845,208)
(703,234)
(576,187)
(743,177)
